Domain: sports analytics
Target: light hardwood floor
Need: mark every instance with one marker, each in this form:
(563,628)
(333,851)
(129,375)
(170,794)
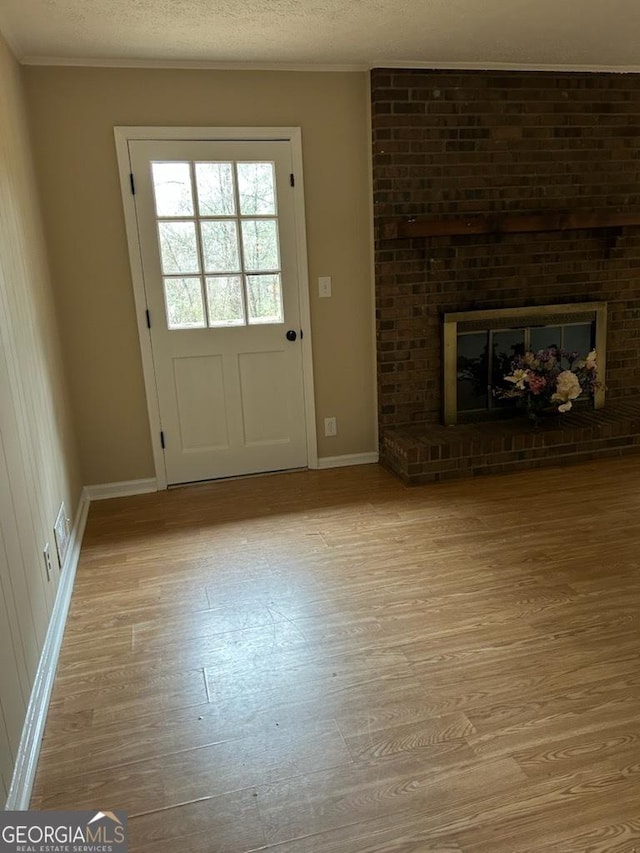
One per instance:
(328,662)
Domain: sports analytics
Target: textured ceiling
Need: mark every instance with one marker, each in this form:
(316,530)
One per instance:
(492,33)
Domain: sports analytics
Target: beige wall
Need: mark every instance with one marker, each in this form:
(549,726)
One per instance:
(73,112)
(38,465)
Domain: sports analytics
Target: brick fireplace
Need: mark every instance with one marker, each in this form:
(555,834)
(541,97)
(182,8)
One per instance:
(470,154)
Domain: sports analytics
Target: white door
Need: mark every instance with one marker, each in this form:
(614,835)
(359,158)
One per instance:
(217,244)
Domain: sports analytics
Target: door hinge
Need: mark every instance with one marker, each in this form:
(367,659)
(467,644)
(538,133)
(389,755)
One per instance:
(133,183)
(162,444)
(148,316)
(292,179)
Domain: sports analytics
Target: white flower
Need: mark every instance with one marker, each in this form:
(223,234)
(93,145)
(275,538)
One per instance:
(567,389)
(518,377)
(590,363)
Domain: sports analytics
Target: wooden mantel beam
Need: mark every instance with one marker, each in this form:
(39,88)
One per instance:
(505,224)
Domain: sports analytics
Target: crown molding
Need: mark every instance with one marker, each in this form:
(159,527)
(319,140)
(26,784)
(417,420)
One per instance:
(506,66)
(188,65)
(417,65)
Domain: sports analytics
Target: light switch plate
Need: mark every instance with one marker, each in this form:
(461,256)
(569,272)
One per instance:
(324,286)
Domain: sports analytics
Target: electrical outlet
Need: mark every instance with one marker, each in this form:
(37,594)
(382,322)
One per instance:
(330,426)
(46,553)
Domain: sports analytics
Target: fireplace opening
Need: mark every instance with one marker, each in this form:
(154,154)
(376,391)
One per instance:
(480,346)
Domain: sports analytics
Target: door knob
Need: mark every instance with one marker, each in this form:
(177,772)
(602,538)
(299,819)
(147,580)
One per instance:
(291,335)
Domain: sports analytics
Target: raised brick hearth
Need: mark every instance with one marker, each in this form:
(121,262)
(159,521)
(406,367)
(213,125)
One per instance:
(418,455)
(456,144)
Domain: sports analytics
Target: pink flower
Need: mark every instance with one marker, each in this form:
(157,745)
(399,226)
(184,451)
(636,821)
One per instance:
(537,384)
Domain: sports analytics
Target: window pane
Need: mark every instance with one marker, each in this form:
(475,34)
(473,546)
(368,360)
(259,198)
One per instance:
(473,371)
(178,247)
(172,189)
(215,189)
(578,339)
(505,347)
(224,300)
(256,189)
(220,246)
(264,295)
(545,337)
(260,245)
(183,297)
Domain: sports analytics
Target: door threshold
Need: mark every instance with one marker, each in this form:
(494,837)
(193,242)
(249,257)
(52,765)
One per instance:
(235,477)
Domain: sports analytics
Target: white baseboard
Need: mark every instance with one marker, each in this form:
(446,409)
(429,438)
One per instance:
(33,729)
(101,491)
(349,459)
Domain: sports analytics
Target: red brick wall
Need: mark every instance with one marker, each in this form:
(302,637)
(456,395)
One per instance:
(447,144)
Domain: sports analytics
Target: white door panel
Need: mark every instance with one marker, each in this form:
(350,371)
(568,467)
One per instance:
(199,384)
(266,407)
(216,224)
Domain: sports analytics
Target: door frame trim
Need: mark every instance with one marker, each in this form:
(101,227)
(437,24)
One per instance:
(293,135)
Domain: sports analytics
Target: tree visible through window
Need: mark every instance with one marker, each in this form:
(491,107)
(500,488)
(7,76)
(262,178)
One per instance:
(221,265)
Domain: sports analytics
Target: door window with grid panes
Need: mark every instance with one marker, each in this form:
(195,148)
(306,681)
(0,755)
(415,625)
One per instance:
(219,243)
(218,225)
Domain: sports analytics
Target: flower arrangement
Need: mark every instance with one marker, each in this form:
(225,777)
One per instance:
(539,381)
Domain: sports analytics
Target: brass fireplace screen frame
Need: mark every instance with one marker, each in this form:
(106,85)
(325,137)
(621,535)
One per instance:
(505,318)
